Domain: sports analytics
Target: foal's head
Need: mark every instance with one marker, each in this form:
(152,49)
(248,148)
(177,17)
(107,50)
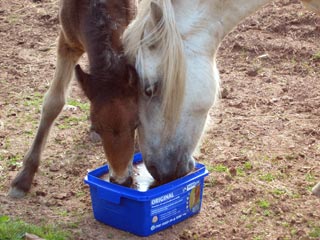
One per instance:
(113,94)
(111,85)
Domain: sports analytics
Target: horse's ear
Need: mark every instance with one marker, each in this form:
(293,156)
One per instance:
(156,13)
(84,80)
(132,76)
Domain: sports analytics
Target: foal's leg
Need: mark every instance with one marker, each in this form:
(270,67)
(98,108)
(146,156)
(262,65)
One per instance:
(54,101)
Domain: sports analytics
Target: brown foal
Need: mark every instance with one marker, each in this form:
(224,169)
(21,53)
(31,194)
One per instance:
(95,27)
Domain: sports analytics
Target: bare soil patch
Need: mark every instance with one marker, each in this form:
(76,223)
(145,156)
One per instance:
(263,148)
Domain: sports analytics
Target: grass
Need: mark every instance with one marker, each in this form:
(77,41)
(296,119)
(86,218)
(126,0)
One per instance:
(16,229)
(257,238)
(14,161)
(211,183)
(63,213)
(7,143)
(244,168)
(76,103)
(80,194)
(247,166)
(68,122)
(315,233)
(279,192)
(13,19)
(267,213)
(264,204)
(285,224)
(220,168)
(241,172)
(34,100)
(293,232)
(310,177)
(267,177)
(2,175)
(316,56)
(110,236)
(29,132)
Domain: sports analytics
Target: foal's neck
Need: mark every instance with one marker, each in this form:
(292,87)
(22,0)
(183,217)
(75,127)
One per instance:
(98,37)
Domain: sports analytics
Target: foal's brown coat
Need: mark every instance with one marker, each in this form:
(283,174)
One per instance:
(114,116)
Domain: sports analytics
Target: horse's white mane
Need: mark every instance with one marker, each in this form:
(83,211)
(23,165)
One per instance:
(173,69)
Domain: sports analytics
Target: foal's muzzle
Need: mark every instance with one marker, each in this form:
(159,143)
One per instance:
(127,183)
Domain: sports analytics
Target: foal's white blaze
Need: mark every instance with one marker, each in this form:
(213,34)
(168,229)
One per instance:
(202,25)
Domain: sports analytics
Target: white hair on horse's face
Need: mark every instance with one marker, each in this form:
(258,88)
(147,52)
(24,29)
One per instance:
(173,118)
(155,44)
(173,44)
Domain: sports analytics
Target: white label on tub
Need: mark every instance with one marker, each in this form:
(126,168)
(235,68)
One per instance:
(162,198)
(192,185)
(175,206)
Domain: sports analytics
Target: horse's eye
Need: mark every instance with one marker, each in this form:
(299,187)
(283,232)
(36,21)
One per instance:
(151,90)
(152,47)
(148,91)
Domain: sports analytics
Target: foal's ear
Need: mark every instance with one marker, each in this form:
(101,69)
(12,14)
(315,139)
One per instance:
(84,80)
(156,13)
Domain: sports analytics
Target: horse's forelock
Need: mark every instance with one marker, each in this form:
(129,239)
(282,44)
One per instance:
(170,42)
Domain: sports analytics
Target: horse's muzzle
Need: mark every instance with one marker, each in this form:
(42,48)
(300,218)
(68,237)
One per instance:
(169,168)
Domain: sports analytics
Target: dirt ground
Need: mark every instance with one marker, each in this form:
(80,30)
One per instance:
(263,148)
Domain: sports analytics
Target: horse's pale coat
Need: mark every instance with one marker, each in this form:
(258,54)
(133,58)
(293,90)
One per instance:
(201,25)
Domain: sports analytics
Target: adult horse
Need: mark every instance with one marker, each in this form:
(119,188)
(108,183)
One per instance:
(95,27)
(173,44)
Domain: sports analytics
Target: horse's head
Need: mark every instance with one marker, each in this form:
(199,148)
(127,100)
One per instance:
(175,95)
(113,94)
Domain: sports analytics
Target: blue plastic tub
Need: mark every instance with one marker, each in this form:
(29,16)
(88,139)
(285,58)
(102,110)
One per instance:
(145,213)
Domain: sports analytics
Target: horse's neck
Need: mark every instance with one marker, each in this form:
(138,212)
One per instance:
(230,13)
(212,20)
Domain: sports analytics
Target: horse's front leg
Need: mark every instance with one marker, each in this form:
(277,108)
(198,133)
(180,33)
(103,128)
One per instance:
(54,101)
